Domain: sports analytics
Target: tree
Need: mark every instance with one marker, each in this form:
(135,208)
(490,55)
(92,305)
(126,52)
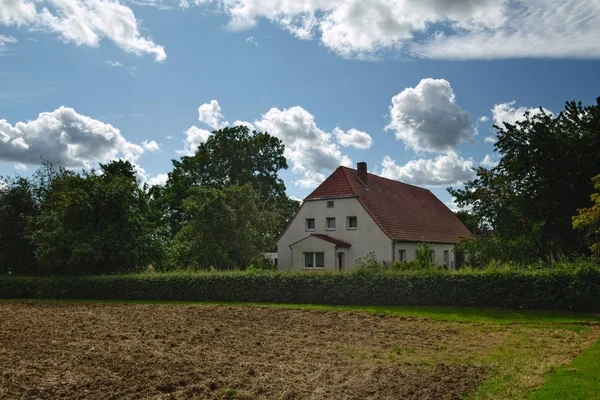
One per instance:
(231,156)
(17,205)
(542,178)
(588,220)
(469,220)
(223,228)
(94,223)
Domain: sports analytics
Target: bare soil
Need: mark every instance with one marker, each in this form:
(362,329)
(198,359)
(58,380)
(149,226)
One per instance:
(146,351)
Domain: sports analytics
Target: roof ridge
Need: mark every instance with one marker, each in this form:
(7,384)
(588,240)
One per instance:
(388,179)
(348,179)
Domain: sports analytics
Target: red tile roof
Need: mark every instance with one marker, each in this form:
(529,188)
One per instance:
(327,238)
(404,212)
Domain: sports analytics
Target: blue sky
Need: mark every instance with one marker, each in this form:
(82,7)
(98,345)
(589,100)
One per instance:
(322,78)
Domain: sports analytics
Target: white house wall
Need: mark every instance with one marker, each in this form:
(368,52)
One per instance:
(314,245)
(368,236)
(411,247)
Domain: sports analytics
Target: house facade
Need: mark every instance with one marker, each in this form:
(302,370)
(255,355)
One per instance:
(353,212)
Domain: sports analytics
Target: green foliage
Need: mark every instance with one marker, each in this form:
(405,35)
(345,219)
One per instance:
(17,205)
(576,288)
(223,228)
(542,178)
(588,220)
(482,249)
(425,255)
(93,224)
(231,156)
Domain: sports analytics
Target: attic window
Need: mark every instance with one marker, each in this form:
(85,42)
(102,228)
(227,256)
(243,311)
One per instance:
(330,204)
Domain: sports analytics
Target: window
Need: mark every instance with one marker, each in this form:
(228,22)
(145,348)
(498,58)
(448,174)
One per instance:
(352,223)
(401,255)
(446,257)
(331,224)
(310,224)
(330,204)
(314,260)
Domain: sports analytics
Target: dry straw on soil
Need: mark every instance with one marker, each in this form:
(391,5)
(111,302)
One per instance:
(136,351)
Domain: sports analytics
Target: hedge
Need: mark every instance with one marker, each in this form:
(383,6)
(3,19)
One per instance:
(558,290)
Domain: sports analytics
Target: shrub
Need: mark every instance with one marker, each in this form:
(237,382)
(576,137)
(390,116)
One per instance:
(576,289)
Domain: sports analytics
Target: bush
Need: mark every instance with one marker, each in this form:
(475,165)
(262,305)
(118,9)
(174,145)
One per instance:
(576,289)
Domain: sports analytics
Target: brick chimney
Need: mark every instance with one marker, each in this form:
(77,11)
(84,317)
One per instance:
(361,167)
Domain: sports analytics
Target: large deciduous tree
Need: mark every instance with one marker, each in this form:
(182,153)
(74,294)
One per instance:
(223,228)
(230,156)
(94,223)
(543,177)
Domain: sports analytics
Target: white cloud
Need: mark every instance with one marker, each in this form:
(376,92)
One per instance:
(310,150)
(4,40)
(507,113)
(444,170)
(82,22)
(65,136)
(169,137)
(528,29)
(482,29)
(194,136)
(427,117)
(160,180)
(210,114)
(354,138)
(247,124)
(311,179)
(117,64)
(484,119)
(251,40)
(490,139)
(150,145)
(488,161)
(20,166)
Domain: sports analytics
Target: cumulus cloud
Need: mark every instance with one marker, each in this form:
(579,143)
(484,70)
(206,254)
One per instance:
(490,139)
(444,170)
(484,119)
(210,114)
(194,136)
(488,161)
(310,149)
(247,124)
(63,135)
(82,22)
(483,29)
(353,138)
(150,145)
(160,180)
(507,113)
(20,166)
(311,179)
(427,118)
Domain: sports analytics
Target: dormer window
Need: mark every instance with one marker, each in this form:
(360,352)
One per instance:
(330,204)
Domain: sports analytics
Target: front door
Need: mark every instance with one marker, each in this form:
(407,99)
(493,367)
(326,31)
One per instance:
(340,261)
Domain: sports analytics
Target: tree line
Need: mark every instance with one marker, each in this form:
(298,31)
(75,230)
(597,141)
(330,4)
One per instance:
(220,208)
(539,202)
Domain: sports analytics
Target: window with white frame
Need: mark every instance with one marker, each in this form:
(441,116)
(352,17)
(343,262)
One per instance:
(310,224)
(401,255)
(314,260)
(331,224)
(352,223)
(446,257)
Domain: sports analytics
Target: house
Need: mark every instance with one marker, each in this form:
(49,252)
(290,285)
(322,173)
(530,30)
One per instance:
(354,212)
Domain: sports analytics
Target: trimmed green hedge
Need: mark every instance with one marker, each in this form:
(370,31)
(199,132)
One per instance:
(559,290)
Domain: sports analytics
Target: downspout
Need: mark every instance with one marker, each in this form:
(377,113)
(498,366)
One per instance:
(292,250)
